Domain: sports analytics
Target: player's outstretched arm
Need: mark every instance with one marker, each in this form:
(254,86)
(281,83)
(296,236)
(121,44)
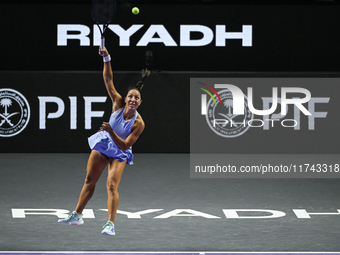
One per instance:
(108,80)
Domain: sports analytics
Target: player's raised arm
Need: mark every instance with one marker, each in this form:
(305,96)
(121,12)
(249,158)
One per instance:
(108,80)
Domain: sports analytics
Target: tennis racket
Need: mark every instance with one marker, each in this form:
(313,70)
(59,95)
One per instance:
(103,12)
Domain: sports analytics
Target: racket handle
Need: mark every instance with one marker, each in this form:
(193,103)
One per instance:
(102,42)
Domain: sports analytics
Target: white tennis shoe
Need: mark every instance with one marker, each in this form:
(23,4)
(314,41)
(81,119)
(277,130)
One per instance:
(109,229)
(73,219)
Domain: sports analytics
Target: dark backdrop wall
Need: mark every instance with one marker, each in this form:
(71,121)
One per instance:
(182,37)
(49,55)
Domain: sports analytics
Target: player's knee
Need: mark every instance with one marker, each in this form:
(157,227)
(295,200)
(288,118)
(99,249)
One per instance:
(90,181)
(112,188)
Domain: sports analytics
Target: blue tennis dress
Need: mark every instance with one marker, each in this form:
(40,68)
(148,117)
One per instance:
(103,142)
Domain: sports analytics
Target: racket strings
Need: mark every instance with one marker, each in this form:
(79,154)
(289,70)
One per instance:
(103,11)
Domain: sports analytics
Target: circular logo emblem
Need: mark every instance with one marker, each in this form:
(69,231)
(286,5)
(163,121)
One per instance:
(221,119)
(14,112)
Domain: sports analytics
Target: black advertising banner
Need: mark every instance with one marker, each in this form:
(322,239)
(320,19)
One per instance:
(66,107)
(57,111)
(182,37)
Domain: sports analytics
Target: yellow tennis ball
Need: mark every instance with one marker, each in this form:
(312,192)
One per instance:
(135,10)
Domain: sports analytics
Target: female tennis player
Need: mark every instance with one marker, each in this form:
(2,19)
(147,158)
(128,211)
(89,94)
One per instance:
(111,146)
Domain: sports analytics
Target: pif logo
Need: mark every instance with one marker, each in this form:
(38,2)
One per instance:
(14,112)
(221,111)
(230,113)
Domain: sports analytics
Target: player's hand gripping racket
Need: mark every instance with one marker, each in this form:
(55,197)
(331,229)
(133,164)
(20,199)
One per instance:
(103,12)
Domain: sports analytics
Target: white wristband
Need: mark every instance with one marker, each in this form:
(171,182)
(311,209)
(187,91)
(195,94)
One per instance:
(107,59)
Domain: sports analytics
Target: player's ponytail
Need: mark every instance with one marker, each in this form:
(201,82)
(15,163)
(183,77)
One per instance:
(145,74)
(140,84)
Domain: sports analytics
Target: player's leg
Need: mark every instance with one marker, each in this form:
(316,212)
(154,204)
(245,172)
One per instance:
(95,166)
(116,169)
